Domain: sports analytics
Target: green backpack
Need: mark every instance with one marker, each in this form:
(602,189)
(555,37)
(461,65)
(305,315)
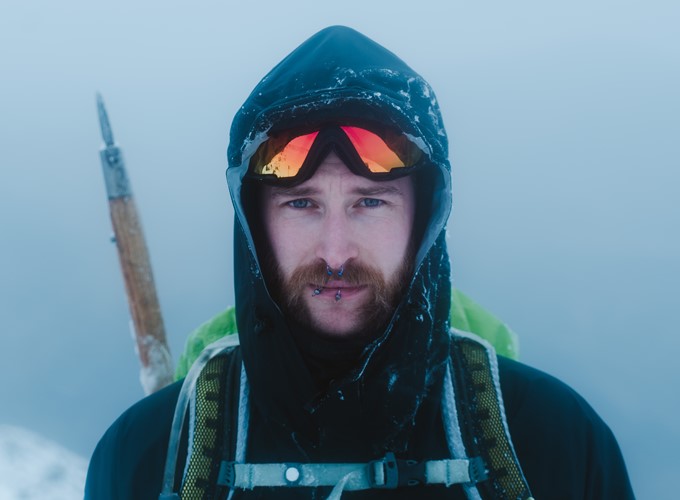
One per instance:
(466,315)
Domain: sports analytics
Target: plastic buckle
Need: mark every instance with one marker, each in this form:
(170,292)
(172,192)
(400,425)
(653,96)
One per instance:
(227,474)
(383,472)
(399,472)
(411,473)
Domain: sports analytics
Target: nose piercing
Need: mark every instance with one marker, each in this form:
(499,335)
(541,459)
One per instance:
(329,270)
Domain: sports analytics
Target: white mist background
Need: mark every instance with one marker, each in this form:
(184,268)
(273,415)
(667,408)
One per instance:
(565,138)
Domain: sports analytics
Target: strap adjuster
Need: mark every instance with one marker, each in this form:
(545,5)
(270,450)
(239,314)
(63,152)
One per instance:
(227,474)
(390,473)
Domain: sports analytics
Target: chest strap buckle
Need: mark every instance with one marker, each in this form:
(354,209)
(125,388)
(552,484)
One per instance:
(390,473)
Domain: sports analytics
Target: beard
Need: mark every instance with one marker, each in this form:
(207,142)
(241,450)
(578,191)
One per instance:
(382,296)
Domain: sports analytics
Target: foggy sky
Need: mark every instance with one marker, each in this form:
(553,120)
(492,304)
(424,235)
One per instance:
(564,123)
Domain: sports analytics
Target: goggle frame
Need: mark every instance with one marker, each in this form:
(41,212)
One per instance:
(335,137)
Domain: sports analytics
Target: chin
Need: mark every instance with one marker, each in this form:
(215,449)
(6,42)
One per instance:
(332,320)
(336,330)
(340,324)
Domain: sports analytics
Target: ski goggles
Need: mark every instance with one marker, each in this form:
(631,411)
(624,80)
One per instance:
(290,157)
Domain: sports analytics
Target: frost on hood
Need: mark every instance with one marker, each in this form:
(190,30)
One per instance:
(414,93)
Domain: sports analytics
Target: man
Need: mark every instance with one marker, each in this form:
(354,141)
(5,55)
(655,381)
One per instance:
(348,380)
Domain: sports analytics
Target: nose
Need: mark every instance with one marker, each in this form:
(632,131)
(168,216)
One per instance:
(337,242)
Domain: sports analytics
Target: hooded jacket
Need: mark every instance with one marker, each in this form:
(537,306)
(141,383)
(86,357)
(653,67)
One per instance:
(384,395)
(340,74)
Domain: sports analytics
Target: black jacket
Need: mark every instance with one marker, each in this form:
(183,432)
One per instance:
(297,415)
(566,450)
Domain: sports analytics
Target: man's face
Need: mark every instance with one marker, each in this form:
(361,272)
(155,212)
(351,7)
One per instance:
(358,228)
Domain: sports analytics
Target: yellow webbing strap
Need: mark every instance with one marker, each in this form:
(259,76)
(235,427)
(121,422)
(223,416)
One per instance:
(504,469)
(201,473)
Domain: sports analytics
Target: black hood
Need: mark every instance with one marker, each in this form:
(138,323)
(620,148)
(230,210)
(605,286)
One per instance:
(340,74)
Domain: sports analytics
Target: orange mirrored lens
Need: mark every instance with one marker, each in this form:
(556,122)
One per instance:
(288,161)
(377,155)
(282,156)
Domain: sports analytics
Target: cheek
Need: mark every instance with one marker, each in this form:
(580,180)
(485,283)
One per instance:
(388,243)
(289,245)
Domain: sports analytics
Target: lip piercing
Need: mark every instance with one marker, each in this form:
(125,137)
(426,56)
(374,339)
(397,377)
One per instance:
(329,273)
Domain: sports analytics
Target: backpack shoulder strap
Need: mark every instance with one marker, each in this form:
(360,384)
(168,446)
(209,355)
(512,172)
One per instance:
(210,395)
(215,393)
(213,425)
(482,427)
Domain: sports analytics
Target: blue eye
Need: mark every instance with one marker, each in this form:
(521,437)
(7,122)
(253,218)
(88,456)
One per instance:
(301,203)
(371,202)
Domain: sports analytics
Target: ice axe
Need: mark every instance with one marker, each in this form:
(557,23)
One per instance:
(152,347)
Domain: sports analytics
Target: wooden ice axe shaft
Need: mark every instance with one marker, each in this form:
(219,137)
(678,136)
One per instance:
(149,332)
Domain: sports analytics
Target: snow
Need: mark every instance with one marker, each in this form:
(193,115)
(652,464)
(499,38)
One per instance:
(394,375)
(159,372)
(33,467)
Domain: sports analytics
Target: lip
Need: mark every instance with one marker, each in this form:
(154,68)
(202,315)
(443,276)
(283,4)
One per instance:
(341,284)
(331,288)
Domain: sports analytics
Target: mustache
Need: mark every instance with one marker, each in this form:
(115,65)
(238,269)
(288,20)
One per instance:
(317,274)
(352,273)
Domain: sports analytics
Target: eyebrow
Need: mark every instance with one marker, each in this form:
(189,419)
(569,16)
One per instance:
(302,191)
(295,191)
(378,191)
